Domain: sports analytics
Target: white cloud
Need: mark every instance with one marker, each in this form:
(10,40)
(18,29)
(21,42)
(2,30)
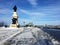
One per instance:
(32,13)
(46,15)
(33,2)
(5,11)
(44,12)
(24,11)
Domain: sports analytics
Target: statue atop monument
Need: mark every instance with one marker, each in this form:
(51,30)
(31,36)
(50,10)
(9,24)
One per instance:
(15,8)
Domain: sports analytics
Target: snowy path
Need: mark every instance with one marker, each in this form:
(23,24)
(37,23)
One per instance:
(28,36)
(6,34)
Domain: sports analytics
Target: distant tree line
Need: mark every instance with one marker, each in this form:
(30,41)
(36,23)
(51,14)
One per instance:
(3,24)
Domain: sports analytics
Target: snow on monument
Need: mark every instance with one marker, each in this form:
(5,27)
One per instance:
(14,23)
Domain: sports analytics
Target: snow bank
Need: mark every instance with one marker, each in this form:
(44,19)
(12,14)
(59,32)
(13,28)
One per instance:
(29,36)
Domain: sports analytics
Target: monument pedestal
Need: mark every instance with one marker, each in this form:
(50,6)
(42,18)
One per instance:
(13,26)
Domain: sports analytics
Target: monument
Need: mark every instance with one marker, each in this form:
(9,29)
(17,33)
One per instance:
(14,23)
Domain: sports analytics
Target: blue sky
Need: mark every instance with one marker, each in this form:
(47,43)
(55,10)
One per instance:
(37,11)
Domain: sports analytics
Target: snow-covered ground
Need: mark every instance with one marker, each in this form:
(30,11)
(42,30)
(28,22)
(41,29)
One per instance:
(25,36)
(7,32)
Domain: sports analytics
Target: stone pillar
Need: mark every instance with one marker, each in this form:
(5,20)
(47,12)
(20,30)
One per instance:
(14,23)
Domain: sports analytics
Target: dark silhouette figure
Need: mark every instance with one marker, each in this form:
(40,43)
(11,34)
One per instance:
(14,21)
(15,8)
